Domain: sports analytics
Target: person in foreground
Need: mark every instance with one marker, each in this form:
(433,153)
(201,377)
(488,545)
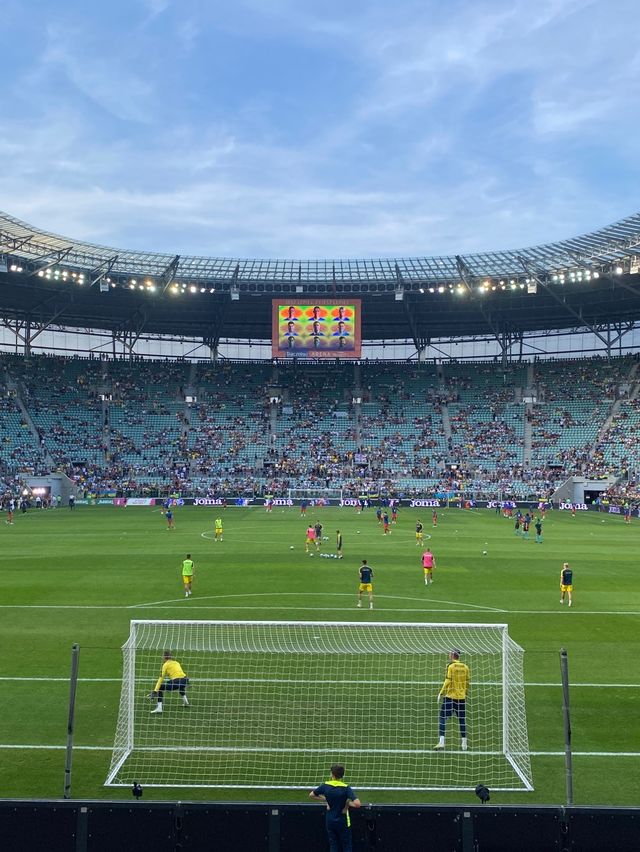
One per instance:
(339,798)
(172,677)
(454,691)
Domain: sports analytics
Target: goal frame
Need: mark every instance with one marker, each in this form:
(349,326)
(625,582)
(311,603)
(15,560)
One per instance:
(319,493)
(117,764)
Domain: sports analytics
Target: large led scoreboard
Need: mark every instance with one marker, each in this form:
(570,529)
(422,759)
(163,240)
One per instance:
(303,329)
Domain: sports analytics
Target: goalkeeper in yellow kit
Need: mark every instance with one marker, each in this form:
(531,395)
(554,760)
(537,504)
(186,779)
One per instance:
(454,692)
(172,677)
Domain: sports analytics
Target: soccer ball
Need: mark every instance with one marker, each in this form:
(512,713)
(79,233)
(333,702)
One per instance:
(291,547)
(311,555)
(357,532)
(484,552)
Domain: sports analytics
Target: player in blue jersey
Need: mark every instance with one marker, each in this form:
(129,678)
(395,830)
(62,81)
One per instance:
(339,797)
(366,583)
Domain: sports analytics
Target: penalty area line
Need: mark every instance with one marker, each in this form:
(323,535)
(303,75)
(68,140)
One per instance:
(345,682)
(43,747)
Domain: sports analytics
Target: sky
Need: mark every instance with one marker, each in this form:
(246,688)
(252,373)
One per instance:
(304,129)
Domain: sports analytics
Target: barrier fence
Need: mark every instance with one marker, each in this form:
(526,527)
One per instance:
(102,826)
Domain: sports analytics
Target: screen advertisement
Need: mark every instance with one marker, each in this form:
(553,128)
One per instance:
(325,329)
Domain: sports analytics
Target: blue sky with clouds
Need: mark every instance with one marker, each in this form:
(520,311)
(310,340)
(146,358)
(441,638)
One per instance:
(296,128)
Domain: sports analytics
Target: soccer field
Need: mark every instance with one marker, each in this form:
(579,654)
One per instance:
(82,576)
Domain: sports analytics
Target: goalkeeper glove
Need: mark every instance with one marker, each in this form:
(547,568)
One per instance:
(152,696)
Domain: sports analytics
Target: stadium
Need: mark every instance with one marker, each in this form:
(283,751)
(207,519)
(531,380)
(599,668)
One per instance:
(158,406)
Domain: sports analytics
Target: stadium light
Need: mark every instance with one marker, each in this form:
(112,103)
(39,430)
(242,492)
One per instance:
(619,270)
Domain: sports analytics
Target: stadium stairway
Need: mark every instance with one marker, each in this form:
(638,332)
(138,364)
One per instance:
(615,408)
(15,385)
(446,422)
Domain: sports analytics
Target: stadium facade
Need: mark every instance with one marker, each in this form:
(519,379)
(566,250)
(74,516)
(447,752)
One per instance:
(576,296)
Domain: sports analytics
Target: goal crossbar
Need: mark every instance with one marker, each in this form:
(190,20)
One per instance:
(279,697)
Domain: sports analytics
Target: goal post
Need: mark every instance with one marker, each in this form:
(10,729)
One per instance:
(273,704)
(312,493)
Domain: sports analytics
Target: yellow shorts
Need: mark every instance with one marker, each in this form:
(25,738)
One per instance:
(310,540)
(218,530)
(566,588)
(366,587)
(187,578)
(427,570)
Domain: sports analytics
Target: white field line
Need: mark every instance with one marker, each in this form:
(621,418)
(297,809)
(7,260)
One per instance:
(29,747)
(350,682)
(183,603)
(318,595)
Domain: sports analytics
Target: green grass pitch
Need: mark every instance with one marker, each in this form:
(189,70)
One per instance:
(81,576)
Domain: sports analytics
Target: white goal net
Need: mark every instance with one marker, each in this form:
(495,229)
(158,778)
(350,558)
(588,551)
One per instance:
(273,704)
(313,494)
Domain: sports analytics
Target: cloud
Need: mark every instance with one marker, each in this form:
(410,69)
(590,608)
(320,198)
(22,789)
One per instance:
(290,129)
(98,73)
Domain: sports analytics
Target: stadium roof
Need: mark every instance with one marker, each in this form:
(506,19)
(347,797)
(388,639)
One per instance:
(582,282)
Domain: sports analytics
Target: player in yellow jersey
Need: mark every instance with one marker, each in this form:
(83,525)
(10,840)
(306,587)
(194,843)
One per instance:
(172,677)
(218,524)
(419,533)
(187,575)
(454,692)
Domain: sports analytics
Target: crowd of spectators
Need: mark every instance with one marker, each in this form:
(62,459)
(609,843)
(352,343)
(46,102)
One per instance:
(160,427)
